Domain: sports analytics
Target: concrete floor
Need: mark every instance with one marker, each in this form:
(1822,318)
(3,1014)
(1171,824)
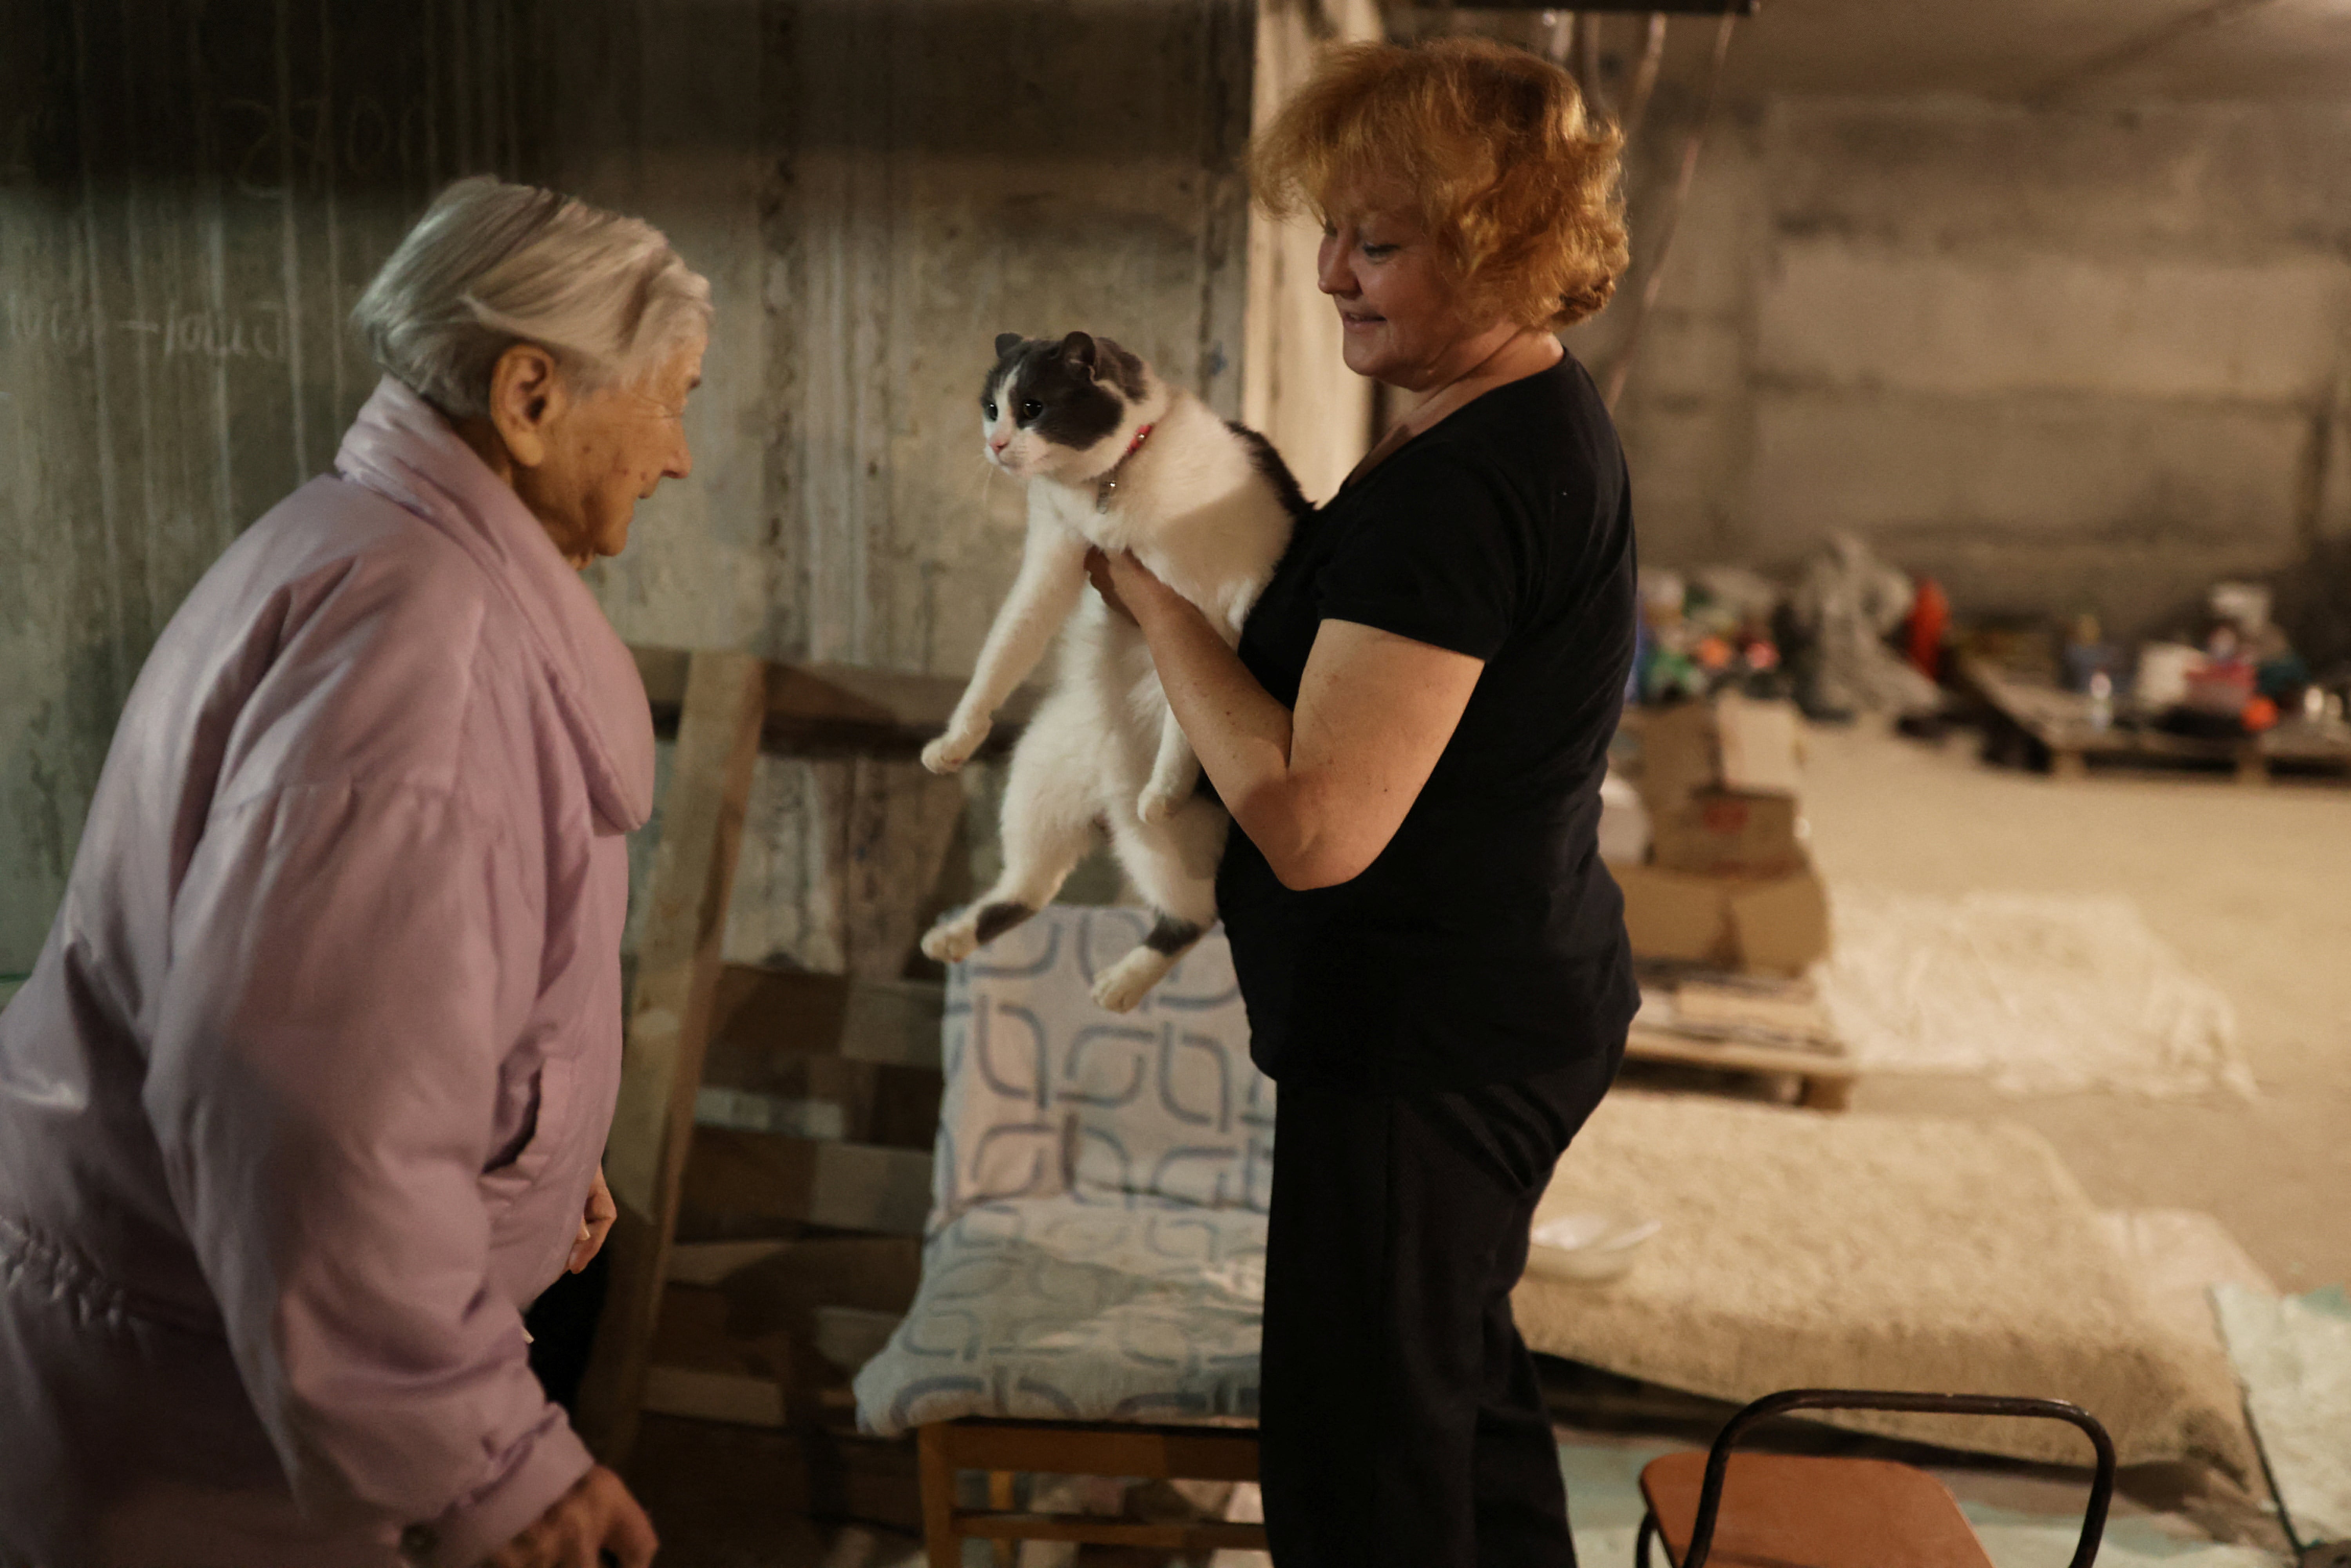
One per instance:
(2252,884)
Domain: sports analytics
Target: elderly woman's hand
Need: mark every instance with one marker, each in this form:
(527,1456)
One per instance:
(595,1223)
(596,1517)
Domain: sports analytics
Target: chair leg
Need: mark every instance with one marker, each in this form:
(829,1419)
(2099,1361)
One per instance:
(941,1543)
(1641,1545)
(1002,1498)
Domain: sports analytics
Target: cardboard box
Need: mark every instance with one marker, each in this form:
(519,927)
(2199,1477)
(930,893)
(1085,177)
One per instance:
(1774,925)
(1678,757)
(1781,926)
(1730,832)
(1761,744)
(1674,916)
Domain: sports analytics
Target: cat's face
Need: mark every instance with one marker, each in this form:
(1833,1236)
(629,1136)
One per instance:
(1053,408)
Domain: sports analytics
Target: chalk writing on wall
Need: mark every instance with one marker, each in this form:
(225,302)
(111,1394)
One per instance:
(323,142)
(258,331)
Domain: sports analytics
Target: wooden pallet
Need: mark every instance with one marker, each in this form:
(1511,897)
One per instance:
(2037,724)
(759,1110)
(1693,1016)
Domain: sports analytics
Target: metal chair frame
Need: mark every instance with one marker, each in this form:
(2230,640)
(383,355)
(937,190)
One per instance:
(1718,1461)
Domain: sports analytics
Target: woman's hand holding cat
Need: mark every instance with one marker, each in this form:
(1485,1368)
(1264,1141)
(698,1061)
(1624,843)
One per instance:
(1097,568)
(1127,585)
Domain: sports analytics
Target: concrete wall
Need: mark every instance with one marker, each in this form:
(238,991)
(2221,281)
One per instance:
(2059,360)
(191,194)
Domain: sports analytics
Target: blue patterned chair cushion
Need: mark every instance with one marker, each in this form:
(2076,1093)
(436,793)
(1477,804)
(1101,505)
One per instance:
(1097,1235)
(1065,1308)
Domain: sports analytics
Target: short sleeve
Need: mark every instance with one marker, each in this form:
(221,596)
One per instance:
(1436,553)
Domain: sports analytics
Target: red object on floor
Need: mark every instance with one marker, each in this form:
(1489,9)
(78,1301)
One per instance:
(1930,616)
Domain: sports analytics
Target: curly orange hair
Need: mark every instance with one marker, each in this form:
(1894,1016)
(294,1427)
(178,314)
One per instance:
(1521,186)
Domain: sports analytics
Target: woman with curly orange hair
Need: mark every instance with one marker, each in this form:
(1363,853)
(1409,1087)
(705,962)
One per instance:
(1411,739)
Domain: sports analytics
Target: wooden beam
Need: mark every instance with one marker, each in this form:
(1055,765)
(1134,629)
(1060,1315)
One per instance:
(1658,1045)
(941,1544)
(890,1023)
(1102,1448)
(839,710)
(1085,1448)
(1192,1535)
(712,1263)
(735,1397)
(736,1180)
(678,967)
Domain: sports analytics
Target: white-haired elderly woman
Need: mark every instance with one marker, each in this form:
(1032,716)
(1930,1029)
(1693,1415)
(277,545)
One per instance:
(305,1099)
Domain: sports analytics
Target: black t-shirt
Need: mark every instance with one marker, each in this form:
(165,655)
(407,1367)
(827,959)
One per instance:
(1487,942)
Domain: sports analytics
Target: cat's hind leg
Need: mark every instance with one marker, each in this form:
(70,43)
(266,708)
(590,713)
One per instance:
(1174,774)
(1173,865)
(1049,824)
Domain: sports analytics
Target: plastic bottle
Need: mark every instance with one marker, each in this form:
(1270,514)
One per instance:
(2102,700)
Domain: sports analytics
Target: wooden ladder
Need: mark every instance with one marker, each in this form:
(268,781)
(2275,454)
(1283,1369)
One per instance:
(692,1014)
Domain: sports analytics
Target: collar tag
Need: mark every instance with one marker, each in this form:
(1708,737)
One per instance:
(1109,484)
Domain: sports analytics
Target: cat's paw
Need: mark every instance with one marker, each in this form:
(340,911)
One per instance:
(1121,987)
(1156,805)
(953,939)
(1114,994)
(953,750)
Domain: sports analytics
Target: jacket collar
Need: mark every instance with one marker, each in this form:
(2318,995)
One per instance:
(403,449)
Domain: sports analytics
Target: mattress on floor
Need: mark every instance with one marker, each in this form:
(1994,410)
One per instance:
(1804,1250)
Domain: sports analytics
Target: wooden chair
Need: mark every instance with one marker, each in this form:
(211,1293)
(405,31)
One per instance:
(1776,1510)
(1004,1449)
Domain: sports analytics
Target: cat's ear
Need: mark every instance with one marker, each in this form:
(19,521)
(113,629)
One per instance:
(1007,341)
(1078,349)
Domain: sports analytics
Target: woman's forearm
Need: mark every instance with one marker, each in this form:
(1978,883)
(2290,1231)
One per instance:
(1239,731)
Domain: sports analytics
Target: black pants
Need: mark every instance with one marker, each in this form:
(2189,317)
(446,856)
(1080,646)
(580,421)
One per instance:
(1400,1422)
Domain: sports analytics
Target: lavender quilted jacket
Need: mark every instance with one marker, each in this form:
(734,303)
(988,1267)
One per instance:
(299,1107)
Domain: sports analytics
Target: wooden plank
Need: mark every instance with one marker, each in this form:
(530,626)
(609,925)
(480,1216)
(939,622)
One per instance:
(942,1543)
(800,1278)
(825,1056)
(887,1022)
(678,967)
(839,710)
(849,1337)
(2059,721)
(736,1180)
(892,824)
(1002,1486)
(1826,1094)
(712,1263)
(735,1397)
(1113,1449)
(1193,1535)
(853,1476)
(1104,1448)
(1653,1045)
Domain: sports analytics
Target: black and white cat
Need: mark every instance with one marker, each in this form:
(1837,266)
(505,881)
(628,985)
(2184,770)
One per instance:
(1114,456)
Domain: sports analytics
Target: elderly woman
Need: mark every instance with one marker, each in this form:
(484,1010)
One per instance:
(1411,740)
(304,1101)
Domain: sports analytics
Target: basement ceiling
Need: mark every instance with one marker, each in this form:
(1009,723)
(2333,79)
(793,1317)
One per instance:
(2091,52)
